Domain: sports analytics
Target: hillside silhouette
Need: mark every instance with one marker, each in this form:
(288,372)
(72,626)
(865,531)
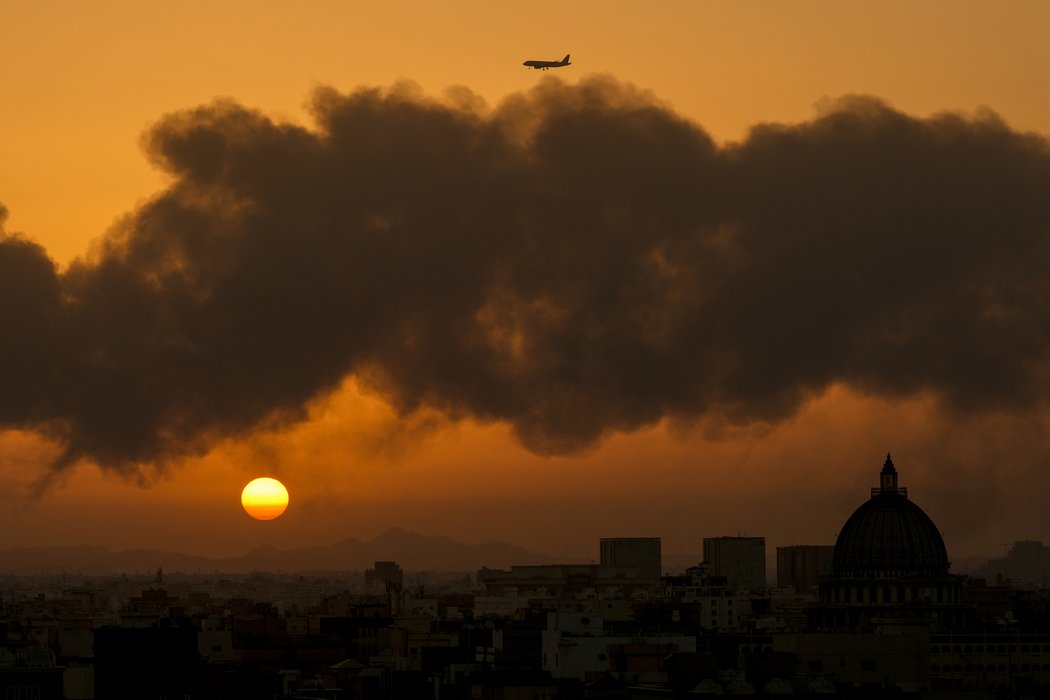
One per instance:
(412,550)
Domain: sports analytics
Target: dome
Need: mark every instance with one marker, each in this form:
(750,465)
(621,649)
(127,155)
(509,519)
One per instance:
(889,536)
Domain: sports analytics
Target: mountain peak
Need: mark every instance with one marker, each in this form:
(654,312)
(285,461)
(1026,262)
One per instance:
(392,532)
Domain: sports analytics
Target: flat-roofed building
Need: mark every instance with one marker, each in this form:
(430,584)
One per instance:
(800,566)
(639,553)
(741,560)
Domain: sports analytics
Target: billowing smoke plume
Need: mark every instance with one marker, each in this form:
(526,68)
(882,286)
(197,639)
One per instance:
(579,260)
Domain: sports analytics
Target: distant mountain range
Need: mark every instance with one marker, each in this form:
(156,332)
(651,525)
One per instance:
(414,552)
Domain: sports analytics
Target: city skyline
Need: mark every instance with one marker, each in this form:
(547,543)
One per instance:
(821,337)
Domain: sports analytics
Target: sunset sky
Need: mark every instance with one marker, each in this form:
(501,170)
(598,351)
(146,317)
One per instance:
(360,248)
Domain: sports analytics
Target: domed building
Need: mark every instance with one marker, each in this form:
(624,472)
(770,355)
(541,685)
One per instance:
(889,567)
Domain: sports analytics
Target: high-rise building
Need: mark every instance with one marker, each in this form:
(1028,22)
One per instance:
(387,573)
(800,566)
(741,560)
(640,553)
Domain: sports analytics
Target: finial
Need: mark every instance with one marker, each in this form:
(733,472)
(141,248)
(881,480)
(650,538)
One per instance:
(888,477)
(887,467)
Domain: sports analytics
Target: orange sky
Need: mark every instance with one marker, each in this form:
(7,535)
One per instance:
(82,81)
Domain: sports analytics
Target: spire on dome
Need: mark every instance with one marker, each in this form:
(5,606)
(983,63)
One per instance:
(888,480)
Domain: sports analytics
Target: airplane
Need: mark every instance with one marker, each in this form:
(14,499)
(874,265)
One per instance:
(548,64)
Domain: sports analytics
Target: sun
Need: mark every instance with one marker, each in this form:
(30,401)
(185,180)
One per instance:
(264,498)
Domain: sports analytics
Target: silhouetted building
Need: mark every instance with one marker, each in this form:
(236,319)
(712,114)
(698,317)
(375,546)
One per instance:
(801,566)
(741,560)
(564,579)
(510,685)
(1028,562)
(862,665)
(1002,659)
(146,662)
(890,566)
(30,673)
(387,573)
(640,553)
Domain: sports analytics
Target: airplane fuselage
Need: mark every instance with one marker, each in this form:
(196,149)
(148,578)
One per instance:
(544,65)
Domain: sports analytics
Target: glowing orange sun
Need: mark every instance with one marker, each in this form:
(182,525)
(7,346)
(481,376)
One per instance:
(264,498)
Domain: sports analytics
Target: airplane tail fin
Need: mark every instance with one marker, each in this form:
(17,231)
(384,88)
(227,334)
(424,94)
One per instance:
(566,59)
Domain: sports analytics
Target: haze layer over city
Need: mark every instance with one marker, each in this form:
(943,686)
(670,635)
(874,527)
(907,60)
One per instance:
(696,283)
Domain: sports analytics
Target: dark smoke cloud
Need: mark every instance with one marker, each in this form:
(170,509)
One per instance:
(577,261)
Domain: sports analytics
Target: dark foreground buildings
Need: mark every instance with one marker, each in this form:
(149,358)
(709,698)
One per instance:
(878,615)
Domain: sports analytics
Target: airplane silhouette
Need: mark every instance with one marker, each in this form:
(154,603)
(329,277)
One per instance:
(547,64)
